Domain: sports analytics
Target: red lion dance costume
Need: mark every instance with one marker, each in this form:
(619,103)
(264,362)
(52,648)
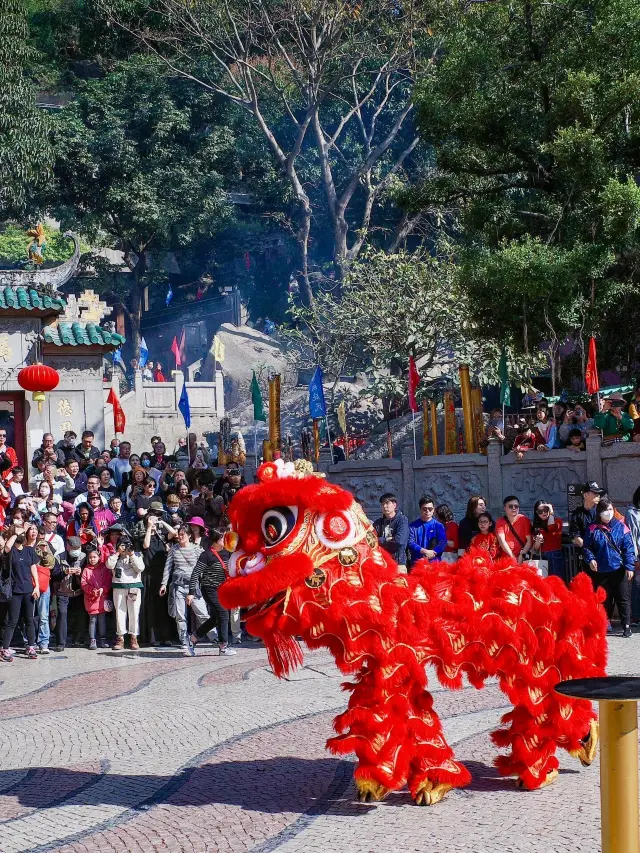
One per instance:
(306,563)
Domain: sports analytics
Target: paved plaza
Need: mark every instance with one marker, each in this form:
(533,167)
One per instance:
(134,753)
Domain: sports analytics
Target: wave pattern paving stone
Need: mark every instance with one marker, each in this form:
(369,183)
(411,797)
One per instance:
(138,754)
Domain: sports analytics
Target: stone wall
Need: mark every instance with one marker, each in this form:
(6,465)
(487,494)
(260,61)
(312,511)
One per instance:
(453,479)
(152,409)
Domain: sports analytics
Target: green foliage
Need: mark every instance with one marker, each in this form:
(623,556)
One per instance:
(393,306)
(140,159)
(14,242)
(533,111)
(25,154)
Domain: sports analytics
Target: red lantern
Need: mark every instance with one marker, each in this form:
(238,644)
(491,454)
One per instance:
(38,378)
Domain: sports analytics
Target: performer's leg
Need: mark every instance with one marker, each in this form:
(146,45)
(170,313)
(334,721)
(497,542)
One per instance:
(433,770)
(375,729)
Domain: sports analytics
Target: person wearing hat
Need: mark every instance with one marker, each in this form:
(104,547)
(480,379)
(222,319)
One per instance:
(66,577)
(96,584)
(613,421)
(126,567)
(582,517)
(198,530)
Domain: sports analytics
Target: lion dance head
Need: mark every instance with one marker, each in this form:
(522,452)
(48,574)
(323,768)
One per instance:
(289,531)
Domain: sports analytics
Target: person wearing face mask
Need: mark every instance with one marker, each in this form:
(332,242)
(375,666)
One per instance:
(67,444)
(609,552)
(174,513)
(146,462)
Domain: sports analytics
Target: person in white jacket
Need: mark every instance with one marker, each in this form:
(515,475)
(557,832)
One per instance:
(127,567)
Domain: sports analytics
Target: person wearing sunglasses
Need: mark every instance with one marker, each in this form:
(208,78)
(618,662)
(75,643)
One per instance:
(514,530)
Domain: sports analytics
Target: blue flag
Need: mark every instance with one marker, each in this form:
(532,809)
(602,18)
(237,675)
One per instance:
(169,297)
(144,354)
(317,406)
(117,358)
(183,405)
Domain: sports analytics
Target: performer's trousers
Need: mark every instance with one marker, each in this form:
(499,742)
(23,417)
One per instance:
(618,590)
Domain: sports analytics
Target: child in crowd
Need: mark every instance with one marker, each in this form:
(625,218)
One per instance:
(576,440)
(15,485)
(525,441)
(96,585)
(485,539)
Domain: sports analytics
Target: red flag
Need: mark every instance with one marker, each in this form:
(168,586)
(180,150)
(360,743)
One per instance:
(591,374)
(119,420)
(175,349)
(414,381)
(199,293)
(183,360)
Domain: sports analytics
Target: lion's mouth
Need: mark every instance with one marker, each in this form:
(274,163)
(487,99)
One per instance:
(259,609)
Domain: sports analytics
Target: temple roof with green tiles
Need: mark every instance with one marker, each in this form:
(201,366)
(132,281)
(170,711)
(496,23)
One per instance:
(30,299)
(78,334)
(78,320)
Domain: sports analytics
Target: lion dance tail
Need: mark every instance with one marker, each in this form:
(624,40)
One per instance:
(571,644)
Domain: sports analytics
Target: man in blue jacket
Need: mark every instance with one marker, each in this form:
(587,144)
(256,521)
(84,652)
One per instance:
(427,537)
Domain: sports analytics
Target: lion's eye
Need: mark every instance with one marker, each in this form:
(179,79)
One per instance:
(277,523)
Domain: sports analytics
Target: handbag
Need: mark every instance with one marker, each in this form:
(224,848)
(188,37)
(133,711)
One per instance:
(513,530)
(541,566)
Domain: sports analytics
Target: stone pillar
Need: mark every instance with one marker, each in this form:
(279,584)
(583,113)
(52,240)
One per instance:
(594,461)
(494,477)
(219,380)
(408,482)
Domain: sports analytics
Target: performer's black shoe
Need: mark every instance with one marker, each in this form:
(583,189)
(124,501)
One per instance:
(627,631)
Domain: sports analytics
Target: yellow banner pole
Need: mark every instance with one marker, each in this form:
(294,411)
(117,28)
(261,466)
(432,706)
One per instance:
(433,426)
(467,409)
(274,413)
(450,432)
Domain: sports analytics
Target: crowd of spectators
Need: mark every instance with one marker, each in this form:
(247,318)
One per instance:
(97,545)
(551,427)
(606,543)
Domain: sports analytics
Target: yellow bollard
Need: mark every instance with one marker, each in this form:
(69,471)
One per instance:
(617,698)
(619,776)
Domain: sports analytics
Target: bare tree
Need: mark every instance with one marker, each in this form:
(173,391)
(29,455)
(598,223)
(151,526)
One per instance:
(328,83)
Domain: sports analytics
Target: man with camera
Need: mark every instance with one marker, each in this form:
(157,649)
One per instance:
(616,425)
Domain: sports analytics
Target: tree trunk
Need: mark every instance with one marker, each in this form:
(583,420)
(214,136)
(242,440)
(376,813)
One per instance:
(303,241)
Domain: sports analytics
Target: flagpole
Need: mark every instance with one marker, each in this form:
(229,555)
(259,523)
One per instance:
(326,420)
(413,421)
(255,441)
